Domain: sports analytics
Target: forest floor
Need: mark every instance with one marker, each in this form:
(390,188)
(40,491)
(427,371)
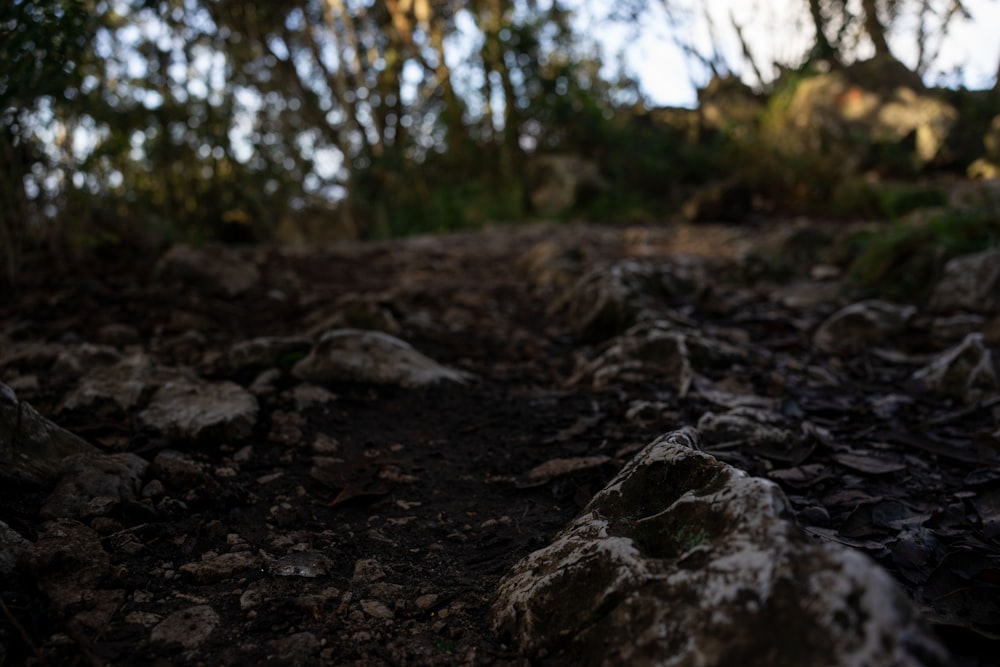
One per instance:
(429,502)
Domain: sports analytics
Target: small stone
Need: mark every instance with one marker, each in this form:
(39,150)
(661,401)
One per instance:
(367,570)
(297,649)
(188,627)
(426,601)
(214,569)
(377,609)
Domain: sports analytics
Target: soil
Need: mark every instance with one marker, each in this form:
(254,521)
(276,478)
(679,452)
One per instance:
(430,503)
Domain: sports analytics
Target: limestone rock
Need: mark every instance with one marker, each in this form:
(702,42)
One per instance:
(971,282)
(123,385)
(859,325)
(31,446)
(607,300)
(659,351)
(195,410)
(966,372)
(214,268)
(683,560)
(93,484)
(353,355)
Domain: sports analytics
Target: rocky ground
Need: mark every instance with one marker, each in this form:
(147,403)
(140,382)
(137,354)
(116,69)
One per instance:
(266,473)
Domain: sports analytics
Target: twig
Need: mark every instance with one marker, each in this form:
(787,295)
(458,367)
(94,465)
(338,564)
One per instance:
(20,628)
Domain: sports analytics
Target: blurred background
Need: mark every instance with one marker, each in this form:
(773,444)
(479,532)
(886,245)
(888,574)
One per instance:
(130,124)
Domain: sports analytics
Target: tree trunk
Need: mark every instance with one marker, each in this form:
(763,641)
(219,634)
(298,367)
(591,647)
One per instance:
(874,28)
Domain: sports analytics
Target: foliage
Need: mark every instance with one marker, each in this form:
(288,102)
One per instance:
(44,43)
(905,260)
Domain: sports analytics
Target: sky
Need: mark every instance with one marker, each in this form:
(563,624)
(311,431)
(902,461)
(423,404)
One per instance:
(777,30)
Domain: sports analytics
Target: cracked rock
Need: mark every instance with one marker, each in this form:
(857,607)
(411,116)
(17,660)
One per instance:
(684,560)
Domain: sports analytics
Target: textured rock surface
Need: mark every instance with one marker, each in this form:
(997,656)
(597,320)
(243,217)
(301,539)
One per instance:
(31,446)
(352,355)
(608,300)
(196,409)
(683,560)
(859,325)
(970,281)
(94,485)
(966,372)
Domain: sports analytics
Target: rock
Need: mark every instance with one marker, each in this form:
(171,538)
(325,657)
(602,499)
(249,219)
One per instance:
(659,351)
(358,311)
(214,268)
(31,446)
(841,116)
(188,627)
(86,478)
(966,372)
(266,352)
(860,325)
(971,282)
(182,474)
(124,385)
(67,560)
(214,568)
(298,649)
(607,300)
(632,358)
(685,560)
(12,545)
(352,355)
(198,410)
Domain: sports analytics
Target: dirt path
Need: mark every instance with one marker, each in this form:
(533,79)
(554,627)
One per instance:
(369,525)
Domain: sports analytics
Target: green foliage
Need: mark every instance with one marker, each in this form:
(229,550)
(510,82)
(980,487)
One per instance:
(887,200)
(904,260)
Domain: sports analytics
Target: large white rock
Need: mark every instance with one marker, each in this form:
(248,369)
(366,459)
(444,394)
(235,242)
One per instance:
(683,560)
(353,355)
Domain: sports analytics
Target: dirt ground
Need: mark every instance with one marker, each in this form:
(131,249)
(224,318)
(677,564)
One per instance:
(390,557)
